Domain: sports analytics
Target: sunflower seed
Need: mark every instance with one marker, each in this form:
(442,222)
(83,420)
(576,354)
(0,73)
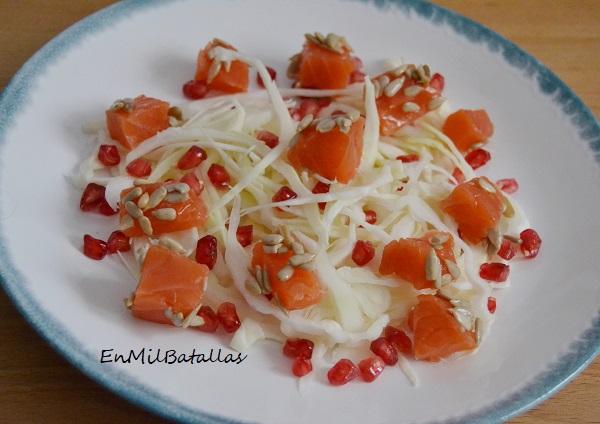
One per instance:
(285,273)
(190,317)
(453,269)
(413,90)
(196,321)
(446,279)
(439,239)
(462,319)
(280,304)
(513,239)
(273,239)
(301,259)
(478,330)
(484,184)
(165,214)
(117,105)
(461,304)
(141,181)
(393,87)
(297,248)
(282,250)
(257,273)
(294,140)
(284,230)
(353,115)
(319,37)
(376,89)
(143,200)
(213,71)
(423,77)
(383,81)
(509,211)
(325,125)
(126,223)
(305,122)
(495,237)
(128,302)
(410,107)
(211,54)
(156,197)
(132,195)
(433,267)
(399,70)
(176,112)
(266,280)
(169,243)
(436,103)
(271,249)
(182,188)
(253,286)
(133,210)
(309,266)
(343,124)
(176,197)
(146,225)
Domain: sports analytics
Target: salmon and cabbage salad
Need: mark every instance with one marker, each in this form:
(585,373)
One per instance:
(342,215)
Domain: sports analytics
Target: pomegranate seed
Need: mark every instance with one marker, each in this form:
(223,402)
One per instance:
(494,271)
(91,197)
(211,322)
(298,348)
(108,155)
(94,248)
(267,137)
(459,176)
(228,317)
(437,81)
(244,235)
(531,243)
(342,372)
(508,250)
(363,252)
(283,194)
(218,176)
(384,349)
(206,251)
(398,339)
(370,368)
(508,185)
(105,209)
(307,107)
(139,168)
(477,158)
(301,366)
(491,304)
(195,90)
(272,74)
(118,242)
(192,158)
(356,76)
(413,157)
(195,184)
(370,216)
(358,64)
(321,188)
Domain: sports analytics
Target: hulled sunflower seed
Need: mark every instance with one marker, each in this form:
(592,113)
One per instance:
(141,181)
(126,223)
(433,267)
(478,330)
(279,304)
(495,237)
(376,89)
(413,90)
(165,214)
(399,70)
(190,317)
(146,225)
(176,112)
(169,243)
(436,103)
(273,239)
(410,107)
(453,269)
(143,200)
(508,211)
(461,304)
(176,197)
(301,259)
(308,266)
(297,248)
(156,197)
(253,286)
(213,71)
(446,279)
(343,124)
(393,87)
(128,302)
(133,210)
(285,273)
(132,195)
(383,81)
(271,249)
(266,280)
(439,239)
(513,239)
(461,317)
(484,184)
(422,73)
(305,122)
(353,115)
(182,188)
(282,250)
(325,125)
(196,321)
(284,230)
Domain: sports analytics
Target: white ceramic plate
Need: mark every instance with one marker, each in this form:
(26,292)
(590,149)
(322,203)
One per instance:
(548,326)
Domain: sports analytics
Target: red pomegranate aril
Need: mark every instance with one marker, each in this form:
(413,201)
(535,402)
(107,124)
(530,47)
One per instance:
(301,366)
(308,107)
(413,157)
(206,251)
(272,74)
(398,339)
(531,243)
(321,188)
(108,155)
(507,250)
(211,322)
(192,158)
(218,176)
(105,209)
(356,76)
(228,317)
(194,182)
(491,304)
(342,372)
(357,62)
(508,185)
(118,242)
(494,271)
(363,252)
(244,235)
(298,348)
(437,81)
(458,176)
(267,137)
(195,90)
(370,216)
(94,248)
(384,349)
(283,194)
(92,196)
(139,168)
(370,368)
(477,158)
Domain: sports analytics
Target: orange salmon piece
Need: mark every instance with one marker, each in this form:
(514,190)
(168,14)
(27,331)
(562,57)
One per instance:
(234,80)
(324,69)
(147,118)
(168,280)
(333,154)
(468,127)
(300,291)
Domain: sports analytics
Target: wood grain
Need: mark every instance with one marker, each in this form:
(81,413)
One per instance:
(37,385)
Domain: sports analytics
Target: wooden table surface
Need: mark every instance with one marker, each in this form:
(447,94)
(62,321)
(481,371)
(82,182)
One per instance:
(38,385)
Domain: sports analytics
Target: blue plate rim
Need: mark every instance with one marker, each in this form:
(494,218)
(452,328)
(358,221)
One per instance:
(547,383)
